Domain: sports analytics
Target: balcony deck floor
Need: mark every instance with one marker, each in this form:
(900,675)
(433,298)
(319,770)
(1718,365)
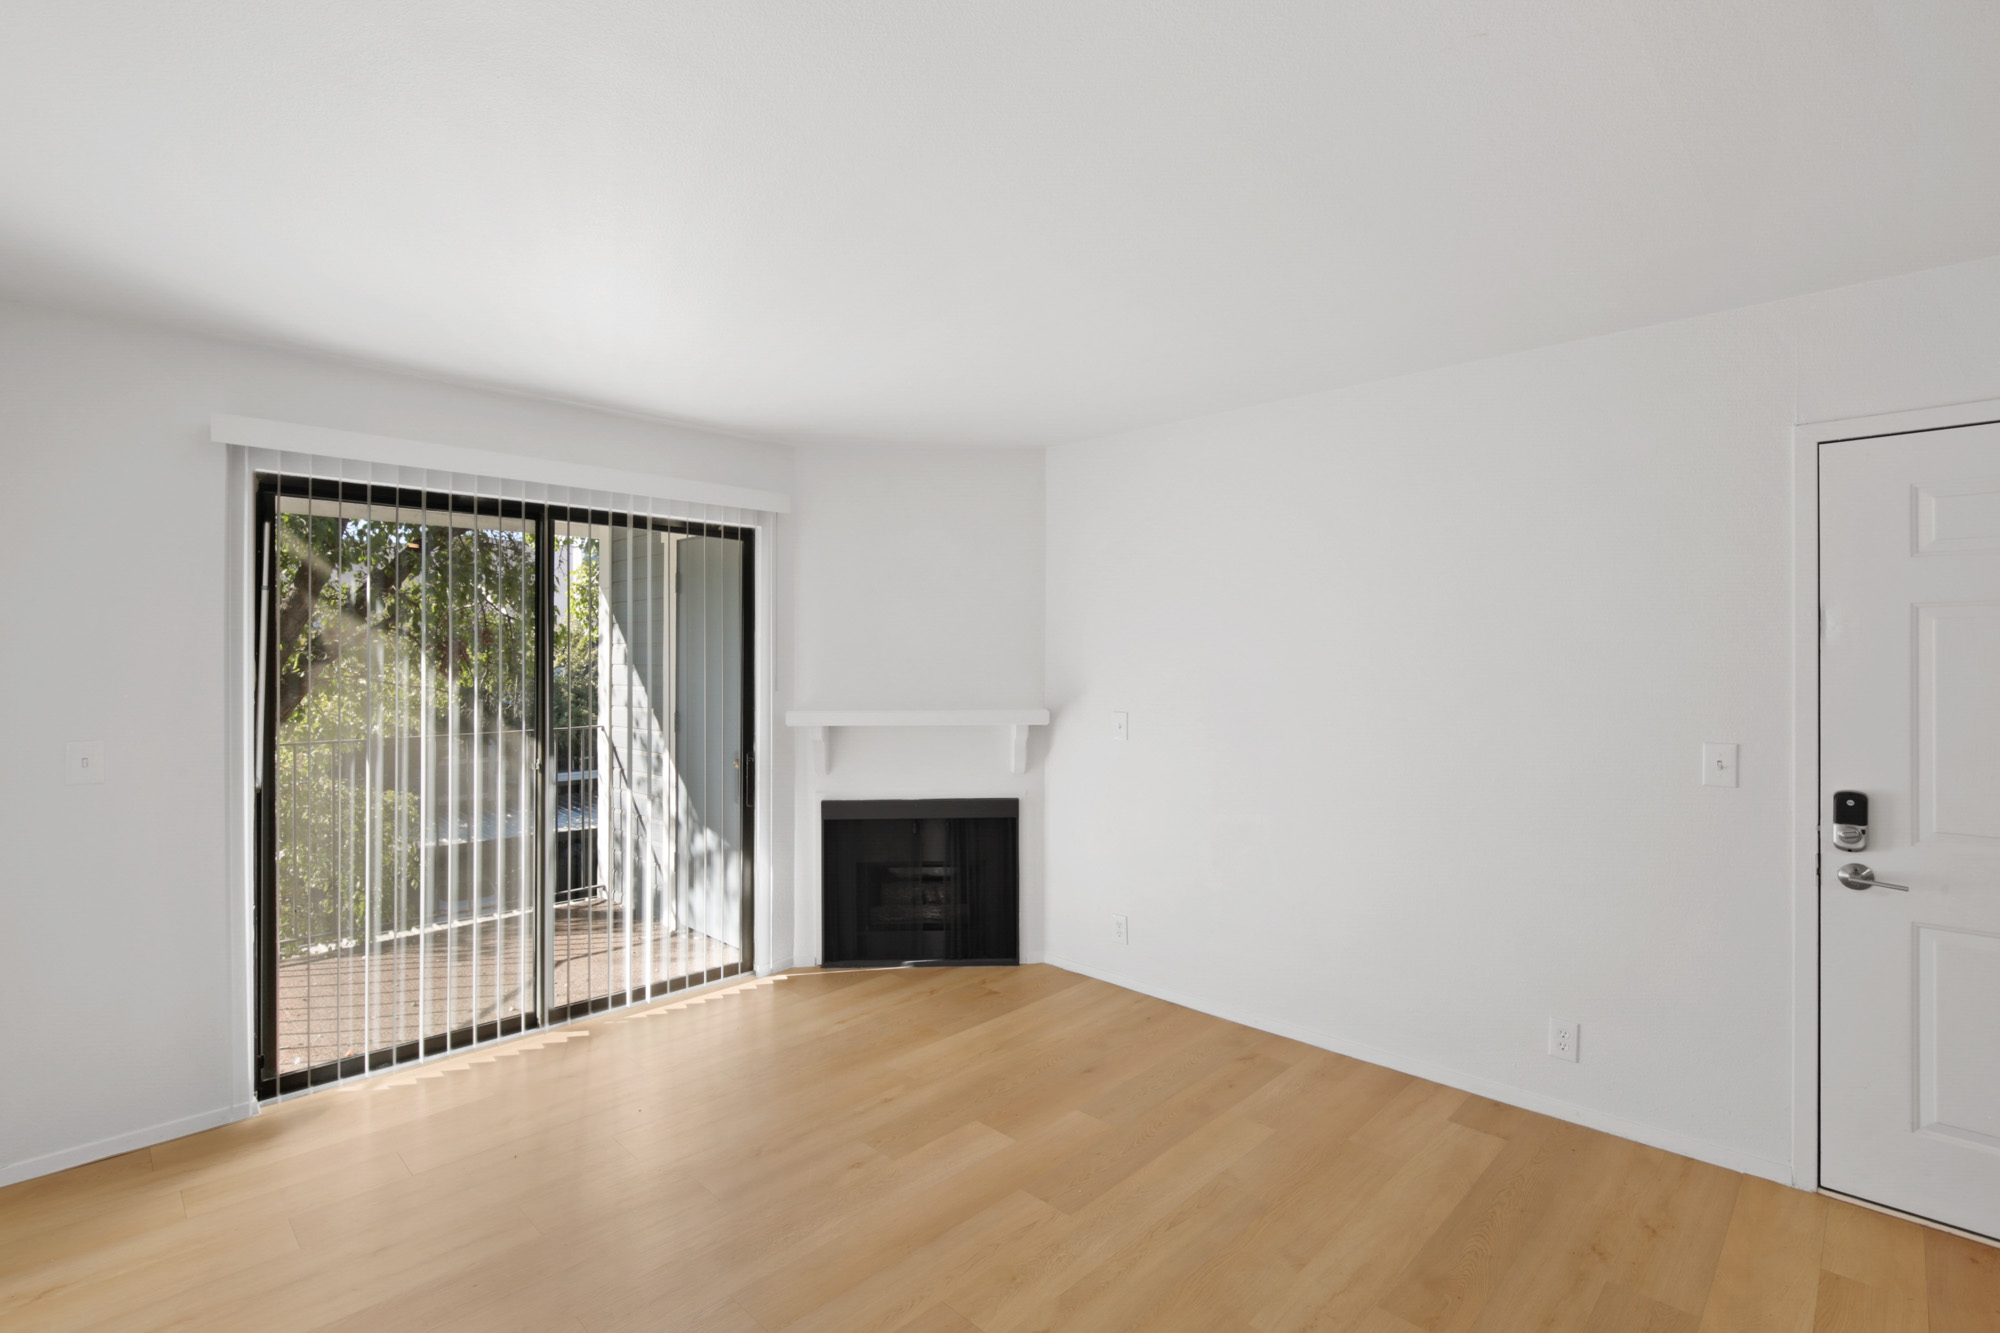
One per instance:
(334,1005)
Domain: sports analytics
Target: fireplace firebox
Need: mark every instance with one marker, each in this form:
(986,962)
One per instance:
(920,882)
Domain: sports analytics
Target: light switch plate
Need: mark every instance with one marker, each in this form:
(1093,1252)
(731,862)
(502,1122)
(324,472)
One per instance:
(1718,764)
(83,763)
(1121,727)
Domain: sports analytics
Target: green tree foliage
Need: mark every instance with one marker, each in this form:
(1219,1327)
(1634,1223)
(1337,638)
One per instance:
(455,605)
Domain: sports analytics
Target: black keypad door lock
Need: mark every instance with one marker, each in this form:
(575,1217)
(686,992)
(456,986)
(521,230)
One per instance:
(1850,820)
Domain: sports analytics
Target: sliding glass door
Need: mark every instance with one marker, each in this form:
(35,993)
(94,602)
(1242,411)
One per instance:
(506,769)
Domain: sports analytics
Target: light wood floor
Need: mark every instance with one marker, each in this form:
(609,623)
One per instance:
(945,1150)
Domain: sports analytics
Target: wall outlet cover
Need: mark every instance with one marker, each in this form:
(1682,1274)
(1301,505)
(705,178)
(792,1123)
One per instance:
(1718,764)
(83,763)
(1121,929)
(1565,1038)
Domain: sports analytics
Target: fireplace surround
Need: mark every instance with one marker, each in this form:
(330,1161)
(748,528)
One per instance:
(920,883)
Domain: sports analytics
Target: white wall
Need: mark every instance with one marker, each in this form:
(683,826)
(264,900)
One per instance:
(115,967)
(917,575)
(1418,673)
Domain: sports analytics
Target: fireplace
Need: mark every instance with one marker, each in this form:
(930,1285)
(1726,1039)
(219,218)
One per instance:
(920,882)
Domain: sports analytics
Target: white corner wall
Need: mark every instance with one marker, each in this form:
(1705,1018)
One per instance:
(1418,675)
(917,575)
(115,962)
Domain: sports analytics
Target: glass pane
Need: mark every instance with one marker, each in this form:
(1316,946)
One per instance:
(406,767)
(648,652)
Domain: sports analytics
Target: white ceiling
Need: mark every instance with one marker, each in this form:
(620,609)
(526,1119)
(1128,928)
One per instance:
(977,222)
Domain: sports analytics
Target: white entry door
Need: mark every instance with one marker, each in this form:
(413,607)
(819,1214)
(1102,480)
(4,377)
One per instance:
(1910,718)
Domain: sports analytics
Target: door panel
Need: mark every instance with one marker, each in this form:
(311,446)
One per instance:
(402,774)
(1910,714)
(1958,987)
(650,642)
(1958,722)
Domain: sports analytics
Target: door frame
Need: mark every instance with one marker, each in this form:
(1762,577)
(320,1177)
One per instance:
(539,518)
(249,446)
(1807,437)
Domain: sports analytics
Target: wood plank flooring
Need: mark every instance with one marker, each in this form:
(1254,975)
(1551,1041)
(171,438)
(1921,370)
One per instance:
(990,1150)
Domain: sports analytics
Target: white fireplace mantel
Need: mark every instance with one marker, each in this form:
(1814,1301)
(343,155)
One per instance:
(818,723)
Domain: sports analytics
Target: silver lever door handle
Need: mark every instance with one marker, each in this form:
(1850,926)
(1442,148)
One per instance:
(1857,876)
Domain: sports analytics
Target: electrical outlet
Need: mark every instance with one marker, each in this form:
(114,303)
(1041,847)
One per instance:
(1564,1037)
(1121,930)
(83,763)
(1718,764)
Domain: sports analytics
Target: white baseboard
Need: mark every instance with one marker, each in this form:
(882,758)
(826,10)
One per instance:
(48,1163)
(1673,1141)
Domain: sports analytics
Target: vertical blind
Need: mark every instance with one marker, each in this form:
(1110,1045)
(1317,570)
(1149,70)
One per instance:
(507,766)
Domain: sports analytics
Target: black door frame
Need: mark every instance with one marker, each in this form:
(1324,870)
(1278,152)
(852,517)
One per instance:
(266,1079)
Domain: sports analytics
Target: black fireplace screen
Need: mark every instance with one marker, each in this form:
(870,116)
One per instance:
(920,882)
